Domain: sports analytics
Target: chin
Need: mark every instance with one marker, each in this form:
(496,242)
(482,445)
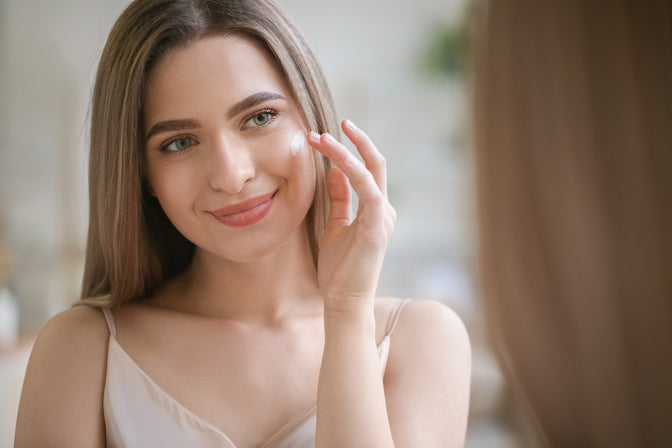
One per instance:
(256,248)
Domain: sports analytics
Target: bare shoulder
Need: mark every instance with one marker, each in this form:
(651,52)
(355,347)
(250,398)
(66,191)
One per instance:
(433,320)
(427,381)
(71,335)
(429,328)
(423,319)
(76,322)
(61,400)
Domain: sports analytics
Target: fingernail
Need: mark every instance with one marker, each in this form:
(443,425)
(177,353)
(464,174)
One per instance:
(314,136)
(329,138)
(350,124)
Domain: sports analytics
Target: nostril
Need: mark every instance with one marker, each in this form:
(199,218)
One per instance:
(231,174)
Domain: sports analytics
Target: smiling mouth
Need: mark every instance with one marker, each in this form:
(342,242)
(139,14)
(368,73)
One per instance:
(247,212)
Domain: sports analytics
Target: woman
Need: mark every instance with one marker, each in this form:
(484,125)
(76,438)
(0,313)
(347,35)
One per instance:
(222,304)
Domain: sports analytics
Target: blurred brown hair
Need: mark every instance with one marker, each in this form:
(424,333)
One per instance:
(573,137)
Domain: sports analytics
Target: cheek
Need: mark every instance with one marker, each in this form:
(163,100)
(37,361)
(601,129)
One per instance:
(296,166)
(299,160)
(304,177)
(172,187)
(298,143)
(288,154)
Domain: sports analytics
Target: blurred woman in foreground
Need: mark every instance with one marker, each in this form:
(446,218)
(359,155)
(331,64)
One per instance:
(573,113)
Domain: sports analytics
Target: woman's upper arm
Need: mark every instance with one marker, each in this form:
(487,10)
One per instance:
(62,396)
(428,377)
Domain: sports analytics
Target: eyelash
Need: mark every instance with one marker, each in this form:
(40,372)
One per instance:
(164,145)
(273,114)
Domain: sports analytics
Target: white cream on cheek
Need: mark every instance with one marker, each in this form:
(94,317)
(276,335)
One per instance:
(298,142)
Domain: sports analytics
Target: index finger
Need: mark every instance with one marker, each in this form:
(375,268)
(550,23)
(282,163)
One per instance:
(373,159)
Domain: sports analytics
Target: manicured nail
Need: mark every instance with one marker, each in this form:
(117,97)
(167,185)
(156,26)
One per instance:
(329,138)
(350,124)
(314,136)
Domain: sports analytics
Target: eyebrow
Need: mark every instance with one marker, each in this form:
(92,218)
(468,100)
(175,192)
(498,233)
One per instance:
(251,101)
(240,106)
(172,125)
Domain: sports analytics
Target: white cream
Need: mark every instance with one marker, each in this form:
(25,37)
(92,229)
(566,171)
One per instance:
(298,142)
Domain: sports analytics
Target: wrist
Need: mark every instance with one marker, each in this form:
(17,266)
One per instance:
(348,306)
(352,319)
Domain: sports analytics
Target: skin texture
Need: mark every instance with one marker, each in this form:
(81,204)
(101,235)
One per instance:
(227,159)
(252,308)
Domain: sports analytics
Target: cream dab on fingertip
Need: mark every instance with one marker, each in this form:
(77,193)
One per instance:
(298,142)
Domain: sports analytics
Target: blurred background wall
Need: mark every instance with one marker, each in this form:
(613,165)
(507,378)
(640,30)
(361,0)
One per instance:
(395,70)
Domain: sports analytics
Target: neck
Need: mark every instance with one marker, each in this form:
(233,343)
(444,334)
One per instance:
(265,290)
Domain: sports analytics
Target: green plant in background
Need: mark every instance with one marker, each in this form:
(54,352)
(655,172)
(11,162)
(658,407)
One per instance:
(447,50)
(445,58)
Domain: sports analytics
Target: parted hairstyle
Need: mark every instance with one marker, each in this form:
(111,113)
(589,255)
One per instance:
(132,247)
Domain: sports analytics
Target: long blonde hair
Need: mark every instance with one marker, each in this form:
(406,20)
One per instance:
(132,247)
(573,113)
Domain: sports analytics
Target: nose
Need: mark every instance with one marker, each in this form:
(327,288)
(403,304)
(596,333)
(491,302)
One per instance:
(230,166)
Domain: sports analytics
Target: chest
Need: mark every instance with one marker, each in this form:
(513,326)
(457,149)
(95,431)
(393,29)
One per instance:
(247,384)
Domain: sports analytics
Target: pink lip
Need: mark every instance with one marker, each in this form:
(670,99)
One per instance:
(246,212)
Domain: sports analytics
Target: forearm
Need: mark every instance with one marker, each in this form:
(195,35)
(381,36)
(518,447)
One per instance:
(351,407)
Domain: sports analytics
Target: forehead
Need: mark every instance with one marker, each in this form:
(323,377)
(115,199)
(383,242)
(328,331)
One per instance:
(219,68)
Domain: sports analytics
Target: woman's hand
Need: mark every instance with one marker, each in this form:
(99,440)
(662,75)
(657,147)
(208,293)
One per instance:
(352,250)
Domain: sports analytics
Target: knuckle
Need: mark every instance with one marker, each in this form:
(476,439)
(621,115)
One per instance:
(365,179)
(350,160)
(393,214)
(378,200)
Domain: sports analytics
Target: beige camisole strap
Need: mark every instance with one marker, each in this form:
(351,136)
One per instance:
(110,322)
(384,344)
(139,413)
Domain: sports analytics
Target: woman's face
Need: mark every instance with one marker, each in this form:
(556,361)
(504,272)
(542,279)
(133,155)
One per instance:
(225,151)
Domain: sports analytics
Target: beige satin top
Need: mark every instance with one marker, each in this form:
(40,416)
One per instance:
(140,414)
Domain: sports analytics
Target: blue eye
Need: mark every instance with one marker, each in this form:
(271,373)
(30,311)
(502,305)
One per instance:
(178,144)
(260,119)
